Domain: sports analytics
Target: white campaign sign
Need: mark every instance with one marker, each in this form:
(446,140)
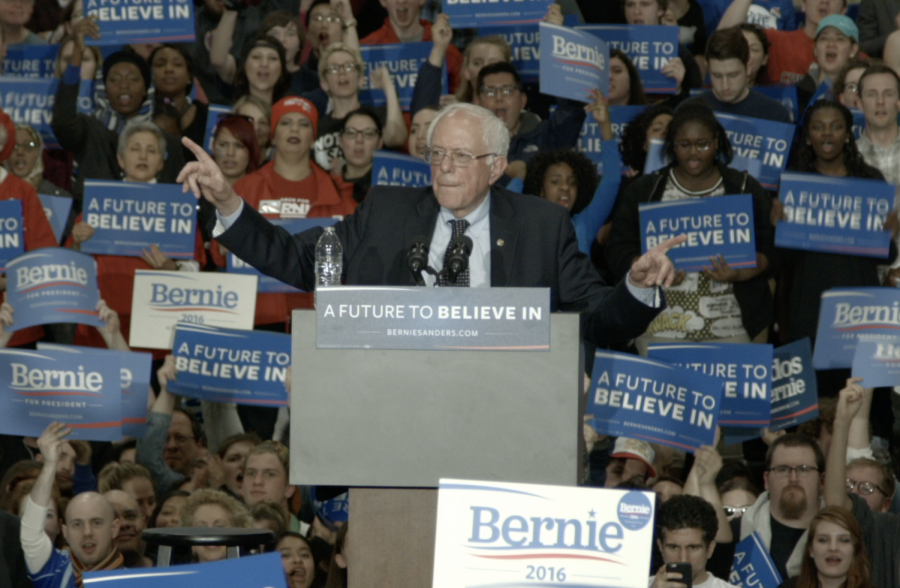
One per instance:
(511,535)
(162,299)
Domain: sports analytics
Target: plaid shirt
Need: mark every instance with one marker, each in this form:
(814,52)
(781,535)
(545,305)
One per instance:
(887,161)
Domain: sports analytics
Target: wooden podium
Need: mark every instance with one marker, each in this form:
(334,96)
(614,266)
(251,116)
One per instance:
(391,424)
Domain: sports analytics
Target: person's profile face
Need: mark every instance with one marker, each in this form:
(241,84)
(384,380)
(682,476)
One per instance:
(619,83)
(758,58)
(657,129)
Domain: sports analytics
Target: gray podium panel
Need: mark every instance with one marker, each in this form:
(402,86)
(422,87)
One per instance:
(408,418)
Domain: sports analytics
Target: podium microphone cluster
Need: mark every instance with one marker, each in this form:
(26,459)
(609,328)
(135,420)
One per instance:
(457,262)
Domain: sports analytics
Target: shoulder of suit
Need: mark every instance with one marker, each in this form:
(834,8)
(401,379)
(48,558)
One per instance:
(398,195)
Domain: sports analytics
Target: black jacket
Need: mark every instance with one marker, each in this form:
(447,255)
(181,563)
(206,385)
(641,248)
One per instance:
(753,295)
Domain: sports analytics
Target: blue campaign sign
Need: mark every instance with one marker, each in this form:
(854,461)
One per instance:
(525,42)
(134,372)
(216,113)
(30,61)
(129,217)
(53,285)
(639,397)
(124,22)
(225,365)
(656,156)
(396,169)
(878,362)
(834,215)
(787,95)
(29,101)
(591,141)
(715,226)
(573,63)
(12,238)
(850,315)
(859,123)
(761,147)
(40,387)
(268,284)
(403,61)
(649,47)
(255,571)
(795,394)
(57,209)
(468,14)
(746,370)
(753,566)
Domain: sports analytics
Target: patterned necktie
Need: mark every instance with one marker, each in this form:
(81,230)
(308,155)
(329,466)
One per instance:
(462,279)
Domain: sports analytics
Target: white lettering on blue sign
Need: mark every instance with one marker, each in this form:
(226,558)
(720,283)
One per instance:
(848,315)
(28,277)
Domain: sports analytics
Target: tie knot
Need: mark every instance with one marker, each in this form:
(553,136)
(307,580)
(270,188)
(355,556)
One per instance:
(458,227)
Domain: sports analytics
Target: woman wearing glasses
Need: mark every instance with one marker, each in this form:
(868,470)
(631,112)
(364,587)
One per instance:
(720,303)
(835,554)
(360,137)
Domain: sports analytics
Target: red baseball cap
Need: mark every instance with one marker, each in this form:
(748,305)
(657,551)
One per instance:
(294,104)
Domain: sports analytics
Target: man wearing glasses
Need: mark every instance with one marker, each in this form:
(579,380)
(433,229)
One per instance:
(872,481)
(518,241)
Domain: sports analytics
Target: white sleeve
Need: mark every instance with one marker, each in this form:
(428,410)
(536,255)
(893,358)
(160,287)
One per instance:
(35,543)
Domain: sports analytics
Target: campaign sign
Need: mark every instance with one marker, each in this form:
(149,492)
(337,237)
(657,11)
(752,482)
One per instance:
(590,142)
(30,61)
(501,534)
(744,367)
(525,42)
(715,226)
(134,371)
(468,14)
(573,63)
(403,61)
(56,209)
(878,362)
(216,113)
(761,147)
(124,22)
(224,365)
(12,239)
(753,566)
(254,571)
(163,299)
(396,169)
(29,101)
(649,47)
(652,400)
(850,315)
(787,95)
(40,387)
(53,285)
(268,284)
(795,395)
(656,156)
(129,217)
(834,215)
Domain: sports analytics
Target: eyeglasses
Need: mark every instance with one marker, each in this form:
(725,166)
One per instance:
(865,488)
(29,146)
(702,145)
(493,91)
(731,511)
(802,471)
(345,67)
(331,18)
(851,86)
(459,158)
(352,133)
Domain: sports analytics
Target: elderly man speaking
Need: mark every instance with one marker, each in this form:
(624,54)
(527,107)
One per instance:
(518,240)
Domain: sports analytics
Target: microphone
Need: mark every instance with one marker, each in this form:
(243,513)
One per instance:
(458,256)
(417,258)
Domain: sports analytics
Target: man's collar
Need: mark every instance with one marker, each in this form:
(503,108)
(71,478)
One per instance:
(480,213)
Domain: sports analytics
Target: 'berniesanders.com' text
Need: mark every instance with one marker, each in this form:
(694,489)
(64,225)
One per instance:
(431,333)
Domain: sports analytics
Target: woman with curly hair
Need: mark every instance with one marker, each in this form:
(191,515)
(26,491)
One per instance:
(213,508)
(625,86)
(570,179)
(650,124)
(700,152)
(827,147)
(835,554)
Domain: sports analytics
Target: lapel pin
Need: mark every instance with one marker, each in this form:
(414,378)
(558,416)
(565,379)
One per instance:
(500,242)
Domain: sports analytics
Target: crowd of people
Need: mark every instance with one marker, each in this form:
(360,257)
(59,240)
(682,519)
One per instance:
(299,142)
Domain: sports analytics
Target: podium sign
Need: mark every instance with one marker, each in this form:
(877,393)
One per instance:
(482,319)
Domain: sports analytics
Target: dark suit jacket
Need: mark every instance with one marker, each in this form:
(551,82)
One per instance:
(532,245)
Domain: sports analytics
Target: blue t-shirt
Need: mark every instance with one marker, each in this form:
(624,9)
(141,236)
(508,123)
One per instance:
(769,14)
(56,573)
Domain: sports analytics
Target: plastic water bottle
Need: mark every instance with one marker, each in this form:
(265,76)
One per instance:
(329,259)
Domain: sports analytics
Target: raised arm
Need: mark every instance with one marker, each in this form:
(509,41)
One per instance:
(69,126)
(348,23)
(394,127)
(150,449)
(36,544)
(849,402)
(736,14)
(701,482)
(111,331)
(6,321)
(220,56)
(427,90)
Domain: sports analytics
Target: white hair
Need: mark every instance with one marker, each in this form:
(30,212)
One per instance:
(495,135)
(135,127)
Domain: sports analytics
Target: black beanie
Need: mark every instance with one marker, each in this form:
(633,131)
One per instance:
(129,57)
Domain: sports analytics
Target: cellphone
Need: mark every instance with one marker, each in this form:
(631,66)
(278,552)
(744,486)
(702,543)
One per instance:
(684,569)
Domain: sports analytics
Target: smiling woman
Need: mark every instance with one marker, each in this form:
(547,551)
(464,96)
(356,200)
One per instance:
(263,71)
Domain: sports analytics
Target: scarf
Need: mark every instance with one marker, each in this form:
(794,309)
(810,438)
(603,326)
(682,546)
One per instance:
(111,119)
(759,518)
(113,561)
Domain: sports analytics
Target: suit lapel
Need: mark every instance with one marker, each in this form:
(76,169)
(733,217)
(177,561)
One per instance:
(504,234)
(420,224)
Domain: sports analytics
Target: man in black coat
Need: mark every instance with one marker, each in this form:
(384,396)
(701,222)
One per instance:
(518,241)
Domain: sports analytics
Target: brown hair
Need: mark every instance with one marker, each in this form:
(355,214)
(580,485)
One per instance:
(266,510)
(858,574)
(728,44)
(114,475)
(840,82)
(238,515)
(284,18)
(466,91)
(796,440)
(889,484)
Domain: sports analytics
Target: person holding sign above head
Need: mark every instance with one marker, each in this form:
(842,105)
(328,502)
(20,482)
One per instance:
(728,55)
(700,151)
(90,529)
(467,152)
(235,147)
(686,534)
